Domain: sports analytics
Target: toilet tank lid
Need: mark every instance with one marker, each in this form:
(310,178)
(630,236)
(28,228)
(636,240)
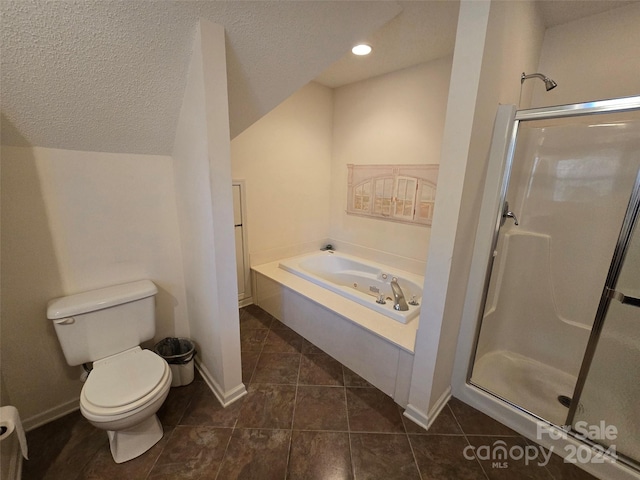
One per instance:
(93,300)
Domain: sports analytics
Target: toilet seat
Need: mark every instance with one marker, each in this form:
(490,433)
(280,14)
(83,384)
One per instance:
(124,382)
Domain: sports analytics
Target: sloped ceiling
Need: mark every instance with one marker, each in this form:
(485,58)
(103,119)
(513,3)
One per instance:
(558,12)
(422,32)
(109,76)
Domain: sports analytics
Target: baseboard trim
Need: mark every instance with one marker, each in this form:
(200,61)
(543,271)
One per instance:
(50,415)
(416,416)
(225,398)
(425,420)
(245,301)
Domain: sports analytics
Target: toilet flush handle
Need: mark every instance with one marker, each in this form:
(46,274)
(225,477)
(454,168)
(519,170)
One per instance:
(65,321)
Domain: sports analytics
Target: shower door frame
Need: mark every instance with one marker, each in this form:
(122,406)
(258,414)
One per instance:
(618,105)
(632,217)
(500,163)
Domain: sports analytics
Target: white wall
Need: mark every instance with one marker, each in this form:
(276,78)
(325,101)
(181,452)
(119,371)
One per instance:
(495,42)
(514,39)
(75,221)
(597,58)
(202,167)
(592,58)
(397,118)
(294,160)
(285,160)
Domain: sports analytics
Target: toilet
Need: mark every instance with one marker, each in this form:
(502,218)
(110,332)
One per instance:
(127,384)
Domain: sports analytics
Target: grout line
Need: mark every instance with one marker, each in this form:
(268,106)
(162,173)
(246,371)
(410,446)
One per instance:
(368,432)
(293,415)
(359,432)
(235,424)
(257,359)
(249,383)
(413,454)
(91,457)
(173,429)
(320,430)
(270,429)
(546,467)
(466,439)
(346,406)
(161,451)
(184,412)
(255,367)
(226,449)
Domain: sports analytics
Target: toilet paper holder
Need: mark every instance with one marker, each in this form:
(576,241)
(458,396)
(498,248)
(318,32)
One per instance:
(14,444)
(10,424)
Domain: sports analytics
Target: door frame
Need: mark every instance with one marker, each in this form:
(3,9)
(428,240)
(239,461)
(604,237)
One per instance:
(488,224)
(246,298)
(491,212)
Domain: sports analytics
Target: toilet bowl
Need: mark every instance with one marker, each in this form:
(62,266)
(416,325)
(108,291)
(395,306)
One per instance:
(127,385)
(122,395)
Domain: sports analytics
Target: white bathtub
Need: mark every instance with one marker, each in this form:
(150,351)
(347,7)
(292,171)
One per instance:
(372,344)
(358,280)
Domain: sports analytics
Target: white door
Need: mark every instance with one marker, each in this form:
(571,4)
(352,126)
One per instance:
(242,255)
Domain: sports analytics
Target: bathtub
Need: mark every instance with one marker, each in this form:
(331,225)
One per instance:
(341,321)
(359,280)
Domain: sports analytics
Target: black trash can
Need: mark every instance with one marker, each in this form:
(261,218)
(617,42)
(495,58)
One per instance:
(179,354)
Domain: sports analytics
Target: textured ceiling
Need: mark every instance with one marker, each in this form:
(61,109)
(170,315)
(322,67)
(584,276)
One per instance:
(109,75)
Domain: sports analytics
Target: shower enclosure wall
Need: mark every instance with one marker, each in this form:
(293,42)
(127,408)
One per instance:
(559,197)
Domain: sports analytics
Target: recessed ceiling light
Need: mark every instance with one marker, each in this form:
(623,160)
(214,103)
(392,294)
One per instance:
(362,49)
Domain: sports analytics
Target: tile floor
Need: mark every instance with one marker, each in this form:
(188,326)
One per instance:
(305,416)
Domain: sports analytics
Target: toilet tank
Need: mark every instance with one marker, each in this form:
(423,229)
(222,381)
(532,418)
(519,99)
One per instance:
(99,323)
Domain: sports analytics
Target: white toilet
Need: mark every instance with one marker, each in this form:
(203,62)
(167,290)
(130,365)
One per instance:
(127,385)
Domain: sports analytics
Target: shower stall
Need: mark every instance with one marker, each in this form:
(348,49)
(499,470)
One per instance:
(553,310)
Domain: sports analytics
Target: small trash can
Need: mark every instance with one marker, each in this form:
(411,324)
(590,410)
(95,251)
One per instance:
(178,353)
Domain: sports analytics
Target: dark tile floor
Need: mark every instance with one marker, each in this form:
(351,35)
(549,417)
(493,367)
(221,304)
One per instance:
(305,416)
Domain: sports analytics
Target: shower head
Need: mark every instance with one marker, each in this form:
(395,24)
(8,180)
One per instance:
(548,83)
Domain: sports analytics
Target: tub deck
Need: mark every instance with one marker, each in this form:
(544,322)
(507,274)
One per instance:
(376,347)
(402,335)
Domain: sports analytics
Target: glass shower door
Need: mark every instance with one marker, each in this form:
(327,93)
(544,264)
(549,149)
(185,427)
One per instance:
(607,409)
(570,181)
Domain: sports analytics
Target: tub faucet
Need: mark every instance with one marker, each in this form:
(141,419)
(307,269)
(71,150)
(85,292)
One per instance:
(399,303)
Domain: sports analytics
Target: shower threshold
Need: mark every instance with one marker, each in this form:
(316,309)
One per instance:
(528,383)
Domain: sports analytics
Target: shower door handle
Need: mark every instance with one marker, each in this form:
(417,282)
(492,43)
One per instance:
(624,299)
(508,213)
